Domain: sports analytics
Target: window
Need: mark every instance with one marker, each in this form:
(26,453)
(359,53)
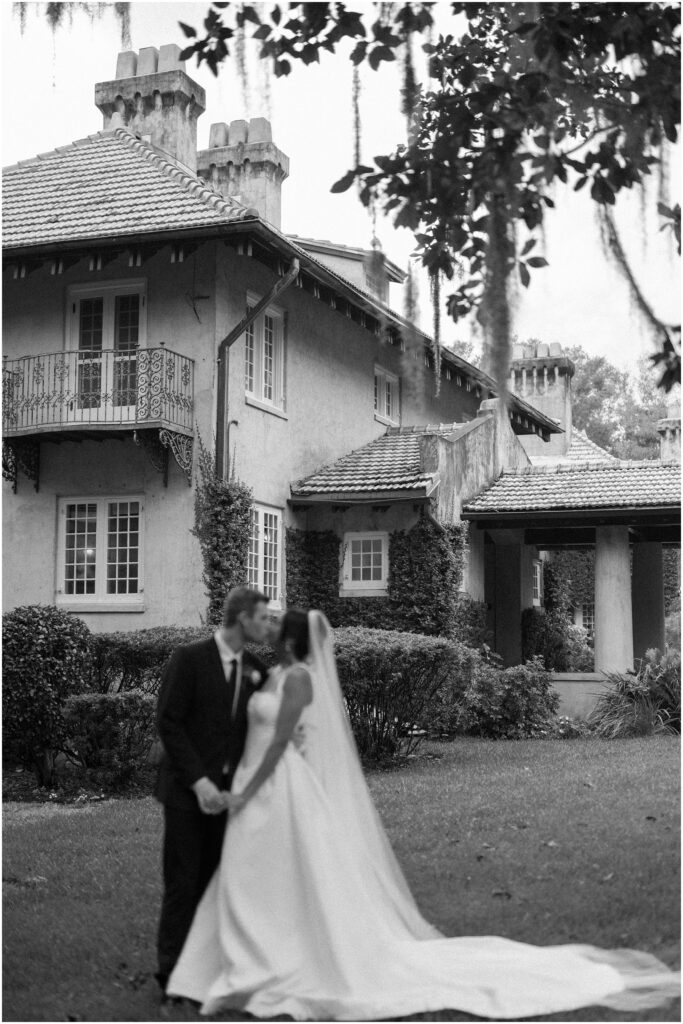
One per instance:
(107,326)
(264,357)
(386,396)
(538,584)
(588,618)
(366,564)
(265,550)
(100,551)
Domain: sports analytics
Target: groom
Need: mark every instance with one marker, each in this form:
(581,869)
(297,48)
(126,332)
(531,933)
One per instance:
(202,723)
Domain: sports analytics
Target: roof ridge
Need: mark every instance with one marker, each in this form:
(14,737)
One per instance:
(49,154)
(594,465)
(184,176)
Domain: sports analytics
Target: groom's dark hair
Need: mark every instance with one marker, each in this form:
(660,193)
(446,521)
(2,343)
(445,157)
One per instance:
(241,599)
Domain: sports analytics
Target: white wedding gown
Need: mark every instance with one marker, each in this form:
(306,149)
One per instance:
(288,926)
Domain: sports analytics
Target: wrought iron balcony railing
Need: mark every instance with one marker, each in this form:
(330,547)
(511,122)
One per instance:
(98,389)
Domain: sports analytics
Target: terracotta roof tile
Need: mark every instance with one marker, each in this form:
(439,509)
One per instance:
(106,185)
(389,463)
(647,484)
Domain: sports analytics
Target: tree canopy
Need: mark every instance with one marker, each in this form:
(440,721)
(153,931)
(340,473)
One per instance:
(519,97)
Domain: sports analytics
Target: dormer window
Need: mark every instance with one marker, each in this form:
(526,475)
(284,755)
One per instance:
(387,409)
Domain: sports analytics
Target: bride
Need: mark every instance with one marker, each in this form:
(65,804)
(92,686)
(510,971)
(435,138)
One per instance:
(309,913)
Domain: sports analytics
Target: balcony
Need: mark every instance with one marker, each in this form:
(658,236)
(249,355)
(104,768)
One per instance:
(96,394)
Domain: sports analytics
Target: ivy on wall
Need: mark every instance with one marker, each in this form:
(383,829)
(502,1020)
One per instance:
(222,517)
(576,569)
(426,566)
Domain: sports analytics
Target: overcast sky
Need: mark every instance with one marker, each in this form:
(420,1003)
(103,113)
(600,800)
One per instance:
(48,101)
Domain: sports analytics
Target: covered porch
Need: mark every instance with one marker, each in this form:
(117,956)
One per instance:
(626,512)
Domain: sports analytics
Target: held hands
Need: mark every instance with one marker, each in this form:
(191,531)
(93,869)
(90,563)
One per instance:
(234,801)
(210,798)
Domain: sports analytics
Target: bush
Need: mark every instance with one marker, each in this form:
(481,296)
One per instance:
(641,704)
(511,703)
(111,733)
(45,659)
(566,728)
(549,634)
(388,679)
(135,660)
(469,625)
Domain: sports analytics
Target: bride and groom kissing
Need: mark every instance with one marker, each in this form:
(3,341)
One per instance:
(282,895)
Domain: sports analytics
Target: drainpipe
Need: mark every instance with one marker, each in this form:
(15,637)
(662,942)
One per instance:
(224,352)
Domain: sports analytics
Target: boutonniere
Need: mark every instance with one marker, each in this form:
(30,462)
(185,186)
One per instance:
(255,677)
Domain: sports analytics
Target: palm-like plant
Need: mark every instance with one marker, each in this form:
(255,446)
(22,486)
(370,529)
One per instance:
(641,704)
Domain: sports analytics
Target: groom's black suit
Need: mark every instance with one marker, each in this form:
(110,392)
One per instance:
(200,737)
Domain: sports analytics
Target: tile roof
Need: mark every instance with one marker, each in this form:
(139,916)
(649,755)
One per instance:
(108,184)
(647,484)
(581,450)
(389,463)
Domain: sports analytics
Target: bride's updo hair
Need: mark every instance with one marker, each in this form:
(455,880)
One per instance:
(295,628)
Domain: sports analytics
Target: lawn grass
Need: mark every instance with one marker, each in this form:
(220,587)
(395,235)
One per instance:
(541,841)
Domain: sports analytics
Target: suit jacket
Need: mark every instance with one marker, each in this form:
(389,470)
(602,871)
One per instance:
(194,719)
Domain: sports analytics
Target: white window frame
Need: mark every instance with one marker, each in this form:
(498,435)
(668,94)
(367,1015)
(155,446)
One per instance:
(257,575)
(537,583)
(100,600)
(364,588)
(387,397)
(256,340)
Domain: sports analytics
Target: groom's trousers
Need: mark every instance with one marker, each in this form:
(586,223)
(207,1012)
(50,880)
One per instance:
(191,853)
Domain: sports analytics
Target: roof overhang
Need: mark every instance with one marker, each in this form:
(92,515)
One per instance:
(583,517)
(524,417)
(363,497)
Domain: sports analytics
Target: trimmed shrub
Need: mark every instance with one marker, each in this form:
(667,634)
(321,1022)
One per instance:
(111,733)
(641,704)
(135,660)
(45,659)
(389,678)
(469,625)
(512,703)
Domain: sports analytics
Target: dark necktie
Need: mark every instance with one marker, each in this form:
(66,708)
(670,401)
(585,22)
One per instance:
(232,682)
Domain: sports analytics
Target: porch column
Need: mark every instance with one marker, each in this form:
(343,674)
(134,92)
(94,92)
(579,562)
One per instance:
(473,576)
(613,615)
(648,598)
(508,594)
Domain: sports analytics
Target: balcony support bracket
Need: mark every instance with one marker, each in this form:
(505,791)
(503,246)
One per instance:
(21,454)
(157,444)
(182,447)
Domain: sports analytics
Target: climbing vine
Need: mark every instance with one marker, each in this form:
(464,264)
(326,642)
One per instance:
(222,516)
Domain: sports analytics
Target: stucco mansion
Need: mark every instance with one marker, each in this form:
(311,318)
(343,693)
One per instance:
(151,302)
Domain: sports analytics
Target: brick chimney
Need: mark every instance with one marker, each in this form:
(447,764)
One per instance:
(542,375)
(242,162)
(154,97)
(669,430)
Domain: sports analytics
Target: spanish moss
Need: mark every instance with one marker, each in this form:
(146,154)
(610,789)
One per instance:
(614,252)
(435,289)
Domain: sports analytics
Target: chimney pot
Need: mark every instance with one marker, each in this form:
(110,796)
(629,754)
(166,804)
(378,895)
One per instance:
(542,350)
(260,130)
(218,135)
(127,64)
(169,58)
(238,132)
(555,350)
(518,351)
(148,61)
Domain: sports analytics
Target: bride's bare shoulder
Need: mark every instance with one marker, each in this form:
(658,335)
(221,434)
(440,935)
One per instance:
(298,684)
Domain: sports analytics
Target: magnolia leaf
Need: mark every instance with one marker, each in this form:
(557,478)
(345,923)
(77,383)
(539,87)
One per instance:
(537,261)
(187,29)
(344,183)
(531,242)
(524,274)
